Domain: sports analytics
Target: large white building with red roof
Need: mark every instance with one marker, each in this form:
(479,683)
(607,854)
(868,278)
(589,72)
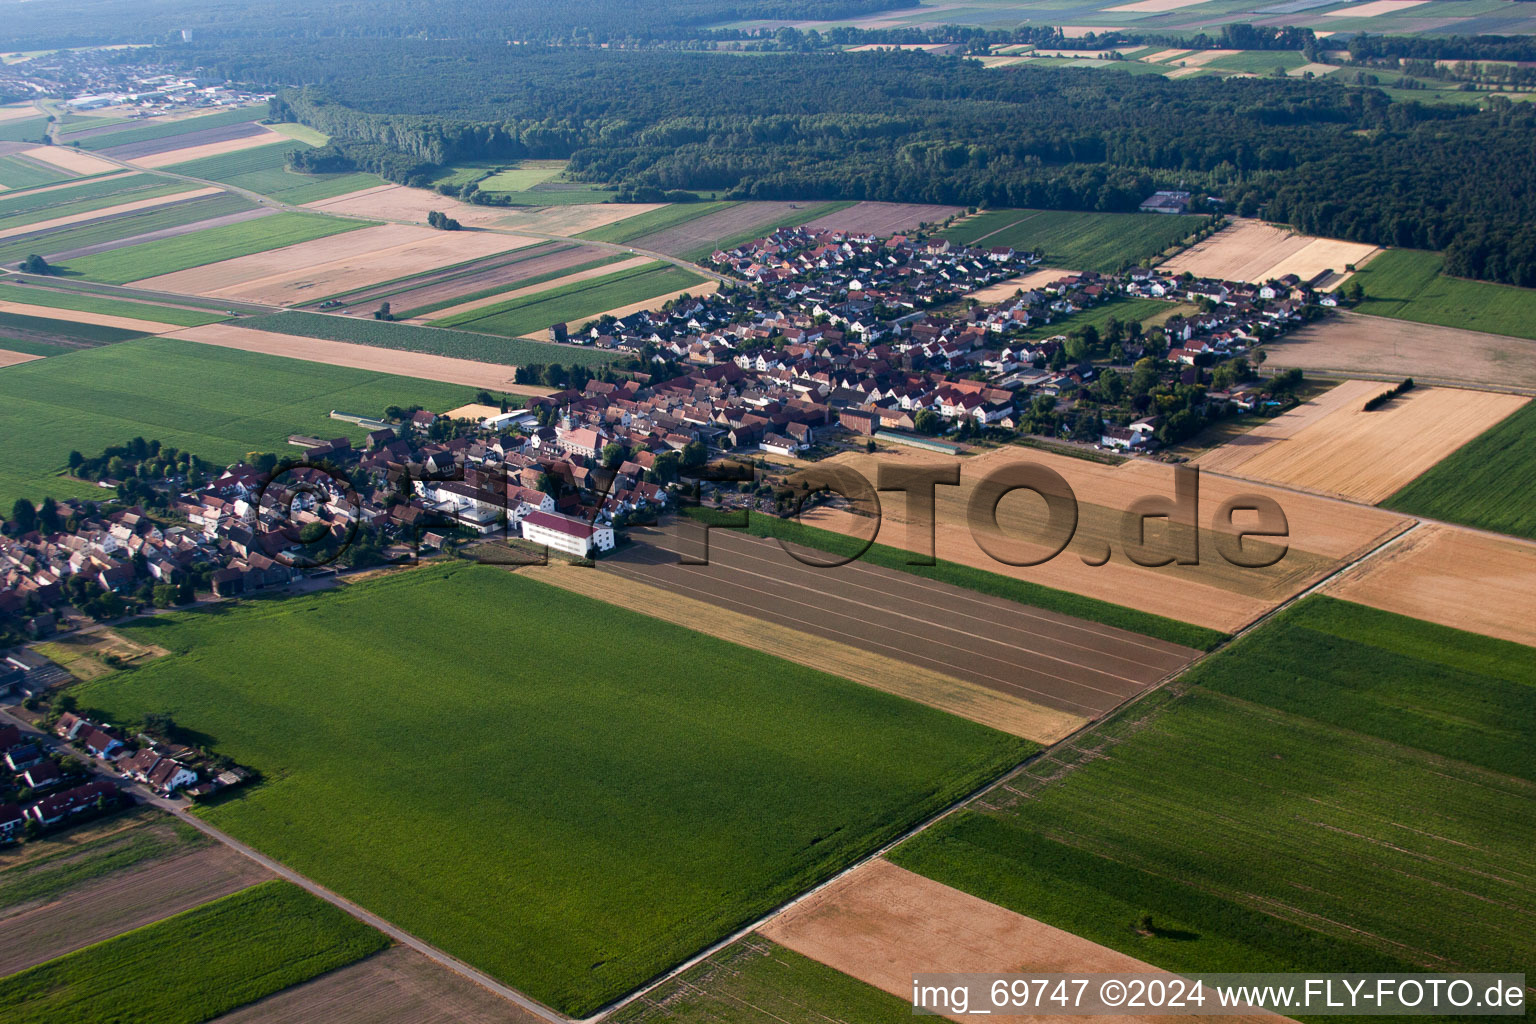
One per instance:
(566,533)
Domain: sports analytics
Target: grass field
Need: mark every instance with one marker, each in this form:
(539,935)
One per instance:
(33,348)
(19,172)
(1103,242)
(216,402)
(211,245)
(1148,312)
(1344,789)
(755,981)
(167,129)
(1487,483)
(91,334)
(985,582)
(58,298)
(651,221)
(575,303)
(409,338)
(261,170)
(573,821)
(33,129)
(523,176)
(93,195)
(196,965)
(70,239)
(1406,284)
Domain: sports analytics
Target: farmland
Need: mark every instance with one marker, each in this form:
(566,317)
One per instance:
(73,238)
(1251,250)
(1486,484)
(1082,241)
(48,328)
(167,129)
(18,172)
(653,222)
(695,238)
(562,847)
(84,197)
(407,337)
(574,303)
(261,170)
(1407,284)
(213,245)
(1382,763)
(219,404)
(228,953)
(61,299)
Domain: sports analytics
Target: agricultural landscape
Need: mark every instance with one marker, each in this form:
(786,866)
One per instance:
(679,512)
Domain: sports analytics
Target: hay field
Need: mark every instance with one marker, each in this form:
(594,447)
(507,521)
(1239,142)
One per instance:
(1374,346)
(1363,456)
(1001,711)
(1214,594)
(312,270)
(197,152)
(1251,250)
(1005,289)
(107,211)
(1455,577)
(80,316)
(568,221)
(71,160)
(398,202)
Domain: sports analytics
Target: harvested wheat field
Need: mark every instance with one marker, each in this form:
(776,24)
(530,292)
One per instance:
(110,211)
(1463,578)
(1001,711)
(1374,9)
(103,907)
(1155,6)
(566,221)
(175,156)
(1200,58)
(312,270)
(534,289)
(492,376)
(883,219)
(1251,250)
(71,159)
(397,202)
(1215,593)
(77,316)
(9,358)
(1005,289)
(1374,346)
(397,986)
(19,113)
(1364,456)
(881,924)
(473,411)
(655,302)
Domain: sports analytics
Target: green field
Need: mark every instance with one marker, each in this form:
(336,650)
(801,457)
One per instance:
(1103,242)
(18,172)
(58,298)
(1343,789)
(168,129)
(410,338)
(995,584)
(150,836)
(573,820)
(211,245)
(522,176)
(1486,483)
(34,348)
(261,170)
(1406,284)
(1121,308)
(215,402)
(93,195)
(69,239)
(67,330)
(196,965)
(526,282)
(754,981)
(33,129)
(631,228)
(575,303)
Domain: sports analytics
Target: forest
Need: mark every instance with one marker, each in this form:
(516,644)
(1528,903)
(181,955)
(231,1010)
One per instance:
(1328,158)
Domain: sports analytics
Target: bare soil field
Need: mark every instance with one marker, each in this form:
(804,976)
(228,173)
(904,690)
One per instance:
(893,674)
(107,212)
(1214,593)
(654,302)
(492,376)
(397,202)
(397,986)
(82,317)
(1373,346)
(326,266)
(881,924)
(1005,289)
(70,159)
(9,358)
(884,219)
(108,906)
(712,227)
(266,137)
(1462,578)
(534,289)
(1333,447)
(1251,250)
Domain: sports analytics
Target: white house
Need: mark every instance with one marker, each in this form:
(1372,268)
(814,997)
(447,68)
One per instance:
(566,533)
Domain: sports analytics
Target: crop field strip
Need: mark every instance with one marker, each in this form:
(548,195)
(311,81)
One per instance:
(454,276)
(653,222)
(831,769)
(133,133)
(456,344)
(220,404)
(575,303)
(19,172)
(261,170)
(42,204)
(1486,484)
(62,330)
(697,238)
(547,266)
(1073,665)
(84,302)
(1102,242)
(228,953)
(110,232)
(1382,762)
(1408,284)
(163,149)
(99,213)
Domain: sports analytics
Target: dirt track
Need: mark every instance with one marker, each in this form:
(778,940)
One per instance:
(104,907)
(1043,657)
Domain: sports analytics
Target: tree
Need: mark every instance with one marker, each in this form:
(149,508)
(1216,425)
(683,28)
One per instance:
(75,461)
(35,264)
(383,313)
(694,455)
(24,516)
(48,516)
(927,422)
(612,455)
